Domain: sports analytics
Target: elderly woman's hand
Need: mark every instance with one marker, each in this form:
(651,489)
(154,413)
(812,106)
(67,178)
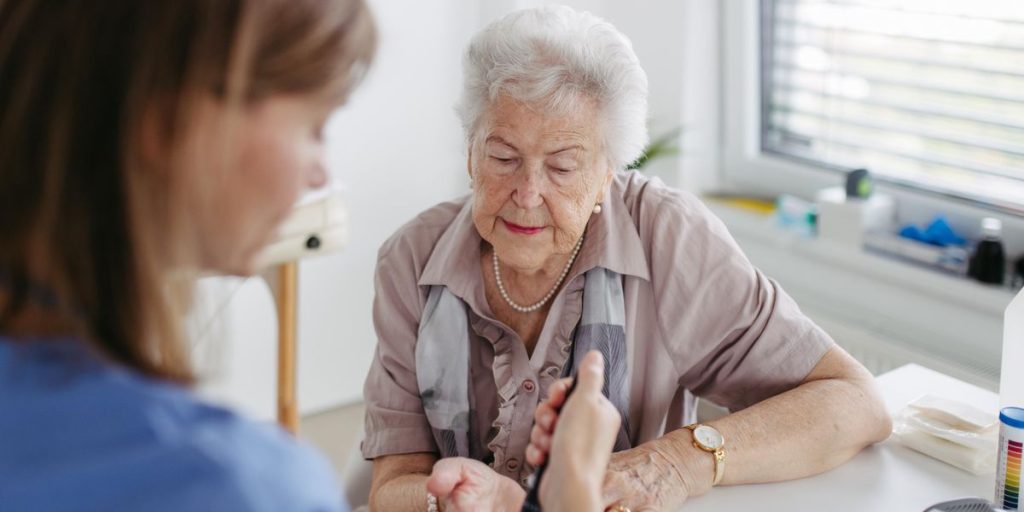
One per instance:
(462,484)
(644,478)
(581,446)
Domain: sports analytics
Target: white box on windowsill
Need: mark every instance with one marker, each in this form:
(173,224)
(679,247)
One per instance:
(847,220)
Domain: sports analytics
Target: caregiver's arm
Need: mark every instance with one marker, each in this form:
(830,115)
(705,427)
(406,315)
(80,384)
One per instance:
(400,482)
(578,453)
(833,414)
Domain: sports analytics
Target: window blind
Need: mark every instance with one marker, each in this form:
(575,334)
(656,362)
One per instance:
(926,93)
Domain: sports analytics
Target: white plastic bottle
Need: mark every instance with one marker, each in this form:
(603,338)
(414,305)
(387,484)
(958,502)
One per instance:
(1011,385)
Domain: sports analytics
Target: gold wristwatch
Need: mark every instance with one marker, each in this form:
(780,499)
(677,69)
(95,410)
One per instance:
(709,439)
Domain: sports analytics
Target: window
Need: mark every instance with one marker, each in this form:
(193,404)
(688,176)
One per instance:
(925,93)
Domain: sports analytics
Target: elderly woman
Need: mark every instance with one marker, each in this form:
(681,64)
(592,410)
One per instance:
(483,303)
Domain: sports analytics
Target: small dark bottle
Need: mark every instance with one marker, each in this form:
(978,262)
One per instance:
(988,264)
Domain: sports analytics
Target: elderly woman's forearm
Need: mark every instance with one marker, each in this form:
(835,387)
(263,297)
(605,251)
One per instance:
(400,482)
(403,493)
(810,429)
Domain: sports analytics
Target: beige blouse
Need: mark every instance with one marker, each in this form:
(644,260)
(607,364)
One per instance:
(701,321)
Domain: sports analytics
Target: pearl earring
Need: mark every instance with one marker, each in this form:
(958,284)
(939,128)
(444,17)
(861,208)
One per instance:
(597,208)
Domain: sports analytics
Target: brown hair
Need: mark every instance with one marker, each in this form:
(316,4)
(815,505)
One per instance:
(78,77)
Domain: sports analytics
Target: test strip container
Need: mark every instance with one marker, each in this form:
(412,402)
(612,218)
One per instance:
(1011,445)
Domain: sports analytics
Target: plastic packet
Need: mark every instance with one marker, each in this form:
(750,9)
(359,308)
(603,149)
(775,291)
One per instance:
(954,432)
(954,413)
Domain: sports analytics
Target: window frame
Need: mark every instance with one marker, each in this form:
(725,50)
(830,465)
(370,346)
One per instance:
(926,312)
(748,169)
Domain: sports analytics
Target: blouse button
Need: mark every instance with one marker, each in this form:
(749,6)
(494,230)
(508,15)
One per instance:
(512,464)
(552,371)
(529,386)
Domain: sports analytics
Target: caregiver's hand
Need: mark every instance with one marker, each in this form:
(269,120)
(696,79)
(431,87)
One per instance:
(462,484)
(580,446)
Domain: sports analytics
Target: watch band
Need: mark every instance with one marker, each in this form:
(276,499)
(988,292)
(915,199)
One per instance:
(718,454)
(719,466)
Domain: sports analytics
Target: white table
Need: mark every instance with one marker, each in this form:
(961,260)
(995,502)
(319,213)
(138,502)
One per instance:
(887,476)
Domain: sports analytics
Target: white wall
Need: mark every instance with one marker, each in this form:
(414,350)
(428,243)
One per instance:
(397,149)
(677,44)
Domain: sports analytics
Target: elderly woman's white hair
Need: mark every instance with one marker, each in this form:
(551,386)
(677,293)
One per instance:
(549,57)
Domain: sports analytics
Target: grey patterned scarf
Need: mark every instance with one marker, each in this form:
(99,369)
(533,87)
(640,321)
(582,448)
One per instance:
(442,357)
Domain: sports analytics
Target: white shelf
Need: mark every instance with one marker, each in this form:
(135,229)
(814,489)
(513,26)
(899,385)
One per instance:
(955,290)
(879,304)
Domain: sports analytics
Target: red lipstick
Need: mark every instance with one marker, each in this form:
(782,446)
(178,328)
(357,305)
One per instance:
(522,230)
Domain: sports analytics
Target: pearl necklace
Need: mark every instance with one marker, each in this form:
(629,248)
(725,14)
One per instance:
(551,293)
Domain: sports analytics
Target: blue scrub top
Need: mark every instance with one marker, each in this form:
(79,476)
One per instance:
(80,434)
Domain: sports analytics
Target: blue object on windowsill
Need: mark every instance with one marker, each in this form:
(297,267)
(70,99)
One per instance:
(938,233)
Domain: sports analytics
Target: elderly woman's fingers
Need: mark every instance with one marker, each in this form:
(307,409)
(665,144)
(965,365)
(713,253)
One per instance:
(444,478)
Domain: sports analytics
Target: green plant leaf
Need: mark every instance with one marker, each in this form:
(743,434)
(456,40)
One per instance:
(666,144)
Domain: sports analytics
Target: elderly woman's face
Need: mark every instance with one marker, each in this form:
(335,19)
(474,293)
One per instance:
(536,180)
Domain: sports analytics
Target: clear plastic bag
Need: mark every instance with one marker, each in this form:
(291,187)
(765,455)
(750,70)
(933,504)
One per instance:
(953,432)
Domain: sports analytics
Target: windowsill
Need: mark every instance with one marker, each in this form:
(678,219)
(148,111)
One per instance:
(746,168)
(952,323)
(956,290)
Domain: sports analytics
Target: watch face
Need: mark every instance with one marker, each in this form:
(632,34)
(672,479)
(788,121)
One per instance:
(708,437)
